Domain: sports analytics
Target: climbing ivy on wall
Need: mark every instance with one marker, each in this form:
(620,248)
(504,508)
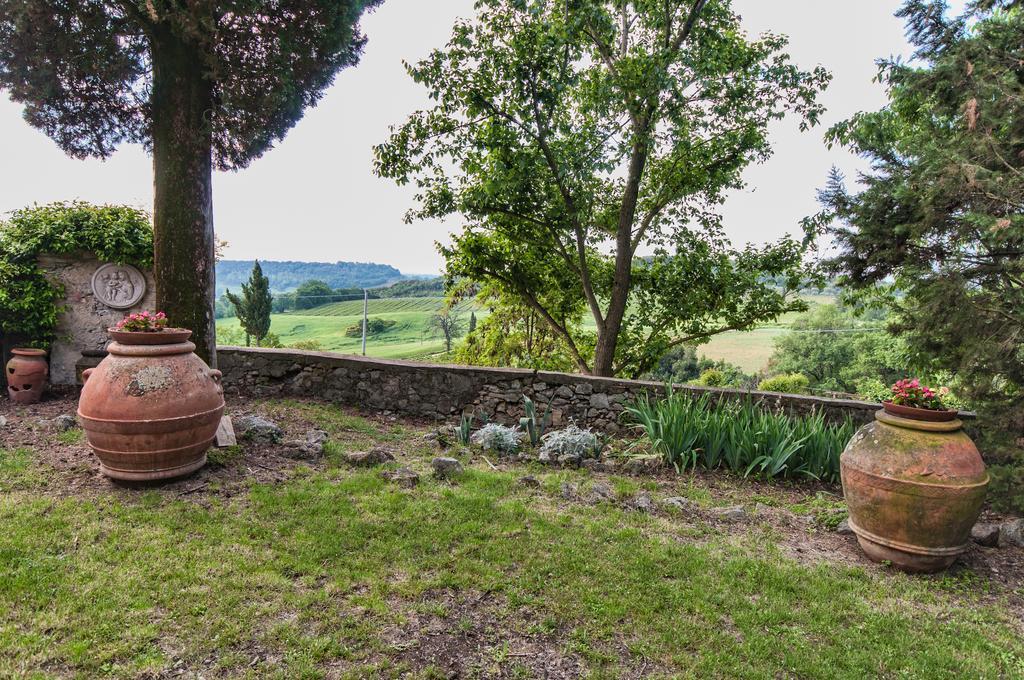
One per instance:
(29,303)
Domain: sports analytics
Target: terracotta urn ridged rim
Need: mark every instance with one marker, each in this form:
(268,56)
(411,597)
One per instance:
(151,410)
(915,413)
(165,336)
(27,372)
(914,489)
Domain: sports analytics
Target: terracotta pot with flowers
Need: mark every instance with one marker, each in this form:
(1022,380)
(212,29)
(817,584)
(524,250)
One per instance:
(914,481)
(150,410)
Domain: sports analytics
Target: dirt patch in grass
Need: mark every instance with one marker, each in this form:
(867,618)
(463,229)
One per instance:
(472,634)
(70,469)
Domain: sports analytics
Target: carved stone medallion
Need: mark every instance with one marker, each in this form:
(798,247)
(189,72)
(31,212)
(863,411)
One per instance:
(118,286)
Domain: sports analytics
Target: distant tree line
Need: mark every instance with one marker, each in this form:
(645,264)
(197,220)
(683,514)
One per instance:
(288,276)
(316,292)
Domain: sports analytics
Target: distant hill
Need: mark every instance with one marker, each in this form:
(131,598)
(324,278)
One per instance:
(286,276)
(423,287)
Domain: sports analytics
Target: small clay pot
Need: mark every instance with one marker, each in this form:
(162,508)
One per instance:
(912,412)
(26,375)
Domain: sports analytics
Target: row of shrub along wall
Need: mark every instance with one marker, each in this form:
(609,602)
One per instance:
(443,392)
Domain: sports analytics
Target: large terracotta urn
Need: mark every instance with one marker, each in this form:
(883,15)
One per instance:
(914,489)
(151,408)
(27,372)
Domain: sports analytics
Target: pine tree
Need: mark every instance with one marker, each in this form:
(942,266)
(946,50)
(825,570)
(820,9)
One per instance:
(472,321)
(937,221)
(253,308)
(200,84)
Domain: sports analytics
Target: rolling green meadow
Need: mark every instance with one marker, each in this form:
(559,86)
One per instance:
(412,338)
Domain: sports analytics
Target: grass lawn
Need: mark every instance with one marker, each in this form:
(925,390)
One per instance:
(263,566)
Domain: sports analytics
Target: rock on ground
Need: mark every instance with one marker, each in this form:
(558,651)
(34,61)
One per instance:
(446,468)
(1012,533)
(843,528)
(403,476)
(599,491)
(257,428)
(64,423)
(310,447)
(530,481)
(680,503)
(642,502)
(986,534)
(642,464)
(378,455)
(732,514)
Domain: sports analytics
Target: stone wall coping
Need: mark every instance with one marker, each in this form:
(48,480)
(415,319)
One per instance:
(556,378)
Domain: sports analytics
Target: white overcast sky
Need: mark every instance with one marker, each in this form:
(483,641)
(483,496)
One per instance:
(315,197)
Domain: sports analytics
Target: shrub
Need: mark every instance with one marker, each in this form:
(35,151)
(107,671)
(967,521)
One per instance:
(740,436)
(498,438)
(790,383)
(28,301)
(712,377)
(571,441)
(373,327)
(271,340)
(308,345)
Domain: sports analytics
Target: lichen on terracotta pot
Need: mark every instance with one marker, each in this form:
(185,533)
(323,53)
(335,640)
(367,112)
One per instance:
(27,372)
(914,489)
(150,410)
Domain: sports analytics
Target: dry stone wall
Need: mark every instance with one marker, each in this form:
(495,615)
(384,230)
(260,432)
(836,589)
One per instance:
(443,392)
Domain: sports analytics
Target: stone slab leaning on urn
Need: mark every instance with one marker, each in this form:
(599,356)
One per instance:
(914,482)
(151,408)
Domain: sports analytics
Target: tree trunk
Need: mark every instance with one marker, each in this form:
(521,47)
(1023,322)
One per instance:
(182,100)
(608,333)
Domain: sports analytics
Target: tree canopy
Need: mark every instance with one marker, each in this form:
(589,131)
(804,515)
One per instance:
(84,70)
(937,230)
(587,144)
(211,83)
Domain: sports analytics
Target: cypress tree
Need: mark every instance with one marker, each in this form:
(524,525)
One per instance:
(253,308)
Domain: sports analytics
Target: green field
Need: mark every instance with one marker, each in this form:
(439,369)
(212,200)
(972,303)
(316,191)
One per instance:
(411,337)
(750,350)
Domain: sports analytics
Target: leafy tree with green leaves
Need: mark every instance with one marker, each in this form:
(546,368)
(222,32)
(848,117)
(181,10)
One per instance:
(937,227)
(514,335)
(314,293)
(837,348)
(203,84)
(254,306)
(682,365)
(576,135)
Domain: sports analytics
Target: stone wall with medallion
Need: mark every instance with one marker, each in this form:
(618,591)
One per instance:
(96,296)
